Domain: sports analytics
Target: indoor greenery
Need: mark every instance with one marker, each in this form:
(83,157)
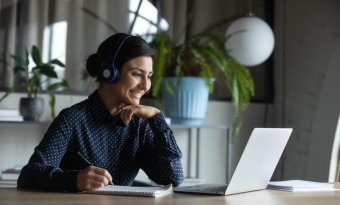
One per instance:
(203,55)
(33,79)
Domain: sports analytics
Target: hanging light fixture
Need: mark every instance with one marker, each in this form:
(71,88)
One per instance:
(250,40)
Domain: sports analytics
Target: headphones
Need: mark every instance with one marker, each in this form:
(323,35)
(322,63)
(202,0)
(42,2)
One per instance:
(109,72)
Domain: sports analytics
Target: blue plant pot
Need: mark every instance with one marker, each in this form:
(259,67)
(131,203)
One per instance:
(188,103)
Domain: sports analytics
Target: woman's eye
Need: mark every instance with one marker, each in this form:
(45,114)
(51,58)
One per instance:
(137,74)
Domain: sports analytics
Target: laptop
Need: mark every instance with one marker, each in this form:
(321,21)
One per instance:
(256,166)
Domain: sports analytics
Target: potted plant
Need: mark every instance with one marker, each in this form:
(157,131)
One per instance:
(32,81)
(202,56)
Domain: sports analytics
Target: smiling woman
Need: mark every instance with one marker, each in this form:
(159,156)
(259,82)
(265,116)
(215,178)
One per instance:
(110,128)
(123,67)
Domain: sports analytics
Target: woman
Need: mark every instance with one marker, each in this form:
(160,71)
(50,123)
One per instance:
(110,129)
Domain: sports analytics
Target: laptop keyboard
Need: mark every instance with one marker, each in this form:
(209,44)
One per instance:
(204,187)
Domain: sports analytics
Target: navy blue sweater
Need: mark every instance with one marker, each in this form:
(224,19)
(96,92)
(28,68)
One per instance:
(108,143)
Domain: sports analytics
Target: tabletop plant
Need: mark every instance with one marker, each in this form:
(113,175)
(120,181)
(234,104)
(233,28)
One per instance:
(32,80)
(203,55)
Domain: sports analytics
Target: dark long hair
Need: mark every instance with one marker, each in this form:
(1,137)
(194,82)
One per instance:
(132,47)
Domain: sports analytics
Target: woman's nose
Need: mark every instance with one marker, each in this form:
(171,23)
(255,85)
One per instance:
(145,83)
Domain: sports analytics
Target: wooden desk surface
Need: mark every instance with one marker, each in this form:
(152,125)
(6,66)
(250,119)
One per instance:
(13,196)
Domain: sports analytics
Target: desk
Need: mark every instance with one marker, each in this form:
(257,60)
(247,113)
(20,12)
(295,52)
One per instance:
(264,197)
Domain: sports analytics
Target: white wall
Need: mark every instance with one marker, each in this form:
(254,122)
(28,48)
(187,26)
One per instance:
(17,140)
(308,69)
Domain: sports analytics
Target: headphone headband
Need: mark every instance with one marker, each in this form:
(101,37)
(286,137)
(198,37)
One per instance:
(121,44)
(109,72)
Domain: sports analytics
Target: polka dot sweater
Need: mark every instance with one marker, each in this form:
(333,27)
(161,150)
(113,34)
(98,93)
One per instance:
(108,143)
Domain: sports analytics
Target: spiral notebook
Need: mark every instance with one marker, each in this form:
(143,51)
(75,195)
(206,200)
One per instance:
(150,191)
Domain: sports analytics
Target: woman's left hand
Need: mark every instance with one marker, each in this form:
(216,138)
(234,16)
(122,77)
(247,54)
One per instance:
(143,111)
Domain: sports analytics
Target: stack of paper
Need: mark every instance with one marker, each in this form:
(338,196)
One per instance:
(8,183)
(11,173)
(9,177)
(300,186)
(11,115)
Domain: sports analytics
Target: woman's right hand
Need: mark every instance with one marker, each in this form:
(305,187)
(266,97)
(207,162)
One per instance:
(93,177)
(143,111)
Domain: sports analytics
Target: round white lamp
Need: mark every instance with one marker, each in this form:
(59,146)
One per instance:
(250,40)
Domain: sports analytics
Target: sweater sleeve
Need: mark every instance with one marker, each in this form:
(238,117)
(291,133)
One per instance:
(43,171)
(161,154)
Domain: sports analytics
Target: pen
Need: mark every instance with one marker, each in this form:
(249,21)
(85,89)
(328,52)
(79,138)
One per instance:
(88,162)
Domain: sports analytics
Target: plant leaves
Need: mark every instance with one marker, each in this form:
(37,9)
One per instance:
(203,54)
(57,85)
(52,105)
(35,53)
(57,62)
(47,70)
(161,60)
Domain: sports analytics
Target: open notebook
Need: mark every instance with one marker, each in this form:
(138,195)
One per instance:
(150,191)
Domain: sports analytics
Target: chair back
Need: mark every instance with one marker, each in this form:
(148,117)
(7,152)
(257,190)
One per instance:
(334,167)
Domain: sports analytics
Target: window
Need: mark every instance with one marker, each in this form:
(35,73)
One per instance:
(147,18)
(54,45)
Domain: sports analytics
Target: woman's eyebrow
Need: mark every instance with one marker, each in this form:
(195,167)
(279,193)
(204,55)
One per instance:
(141,70)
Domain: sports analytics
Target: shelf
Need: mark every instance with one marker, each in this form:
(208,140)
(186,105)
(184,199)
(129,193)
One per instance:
(224,127)
(24,123)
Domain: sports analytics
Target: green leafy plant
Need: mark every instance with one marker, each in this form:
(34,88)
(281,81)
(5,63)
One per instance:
(203,55)
(33,79)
